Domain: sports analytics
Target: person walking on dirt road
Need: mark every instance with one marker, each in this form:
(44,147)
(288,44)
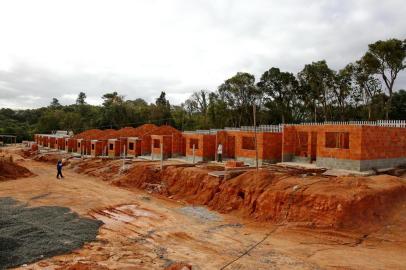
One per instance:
(59,168)
(219,153)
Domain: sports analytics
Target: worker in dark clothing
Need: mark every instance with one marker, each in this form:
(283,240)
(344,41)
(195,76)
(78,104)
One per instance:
(59,168)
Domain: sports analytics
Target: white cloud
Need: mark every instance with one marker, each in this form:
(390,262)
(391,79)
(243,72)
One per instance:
(55,48)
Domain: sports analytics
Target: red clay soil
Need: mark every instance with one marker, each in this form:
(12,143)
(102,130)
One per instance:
(97,167)
(179,266)
(349,202)
(136,132)
(163,130)
(90,134)
(10,170)
(83,266)
(108,134)
(52,157)
(146,129)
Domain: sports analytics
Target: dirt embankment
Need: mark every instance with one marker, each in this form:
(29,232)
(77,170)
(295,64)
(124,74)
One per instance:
(342,202)
(11,170)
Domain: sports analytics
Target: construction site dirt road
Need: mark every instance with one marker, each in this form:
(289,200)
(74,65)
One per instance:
(144,230)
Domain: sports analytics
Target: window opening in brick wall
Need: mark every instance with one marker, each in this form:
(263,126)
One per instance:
(131,146)
(194,142)
(111,146)
(92,146)
(338,140)
(157,143)
(248,143)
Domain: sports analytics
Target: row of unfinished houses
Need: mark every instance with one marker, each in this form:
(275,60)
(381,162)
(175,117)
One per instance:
(358,146)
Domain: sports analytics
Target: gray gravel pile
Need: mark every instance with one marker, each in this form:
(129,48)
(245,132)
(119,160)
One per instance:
(28,234)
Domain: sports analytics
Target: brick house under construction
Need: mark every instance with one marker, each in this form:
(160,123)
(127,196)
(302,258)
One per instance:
(239,144)
(200,144)
(349,147)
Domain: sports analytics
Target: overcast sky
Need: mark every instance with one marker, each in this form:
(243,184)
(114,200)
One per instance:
(139,48)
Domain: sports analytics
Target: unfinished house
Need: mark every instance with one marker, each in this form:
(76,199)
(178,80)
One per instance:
(161,145)
(83,147)
(70,145)
(98,148)
(345,146)
(133,147)
(52,142)
(172,142)
(113,148)
(200,145)
(123,145)
(239,144)
(60,142)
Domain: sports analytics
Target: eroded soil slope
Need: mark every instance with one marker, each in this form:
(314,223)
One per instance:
(338,202)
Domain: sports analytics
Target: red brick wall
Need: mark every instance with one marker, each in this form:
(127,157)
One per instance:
(136,151)
(61,143)
(269,145)
(198,148)
(227,139)
(166,140)
(146,145)
(52,141)
(115,152)
(178,144)
(383,142)
(206,145)
(291,146)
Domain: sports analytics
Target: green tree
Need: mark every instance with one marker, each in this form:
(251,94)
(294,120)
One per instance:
(364,85)
(279,88)
(399,105)
(386,58)
(55,103)
(240,93)
(316,87)
(161,110)
(81,100)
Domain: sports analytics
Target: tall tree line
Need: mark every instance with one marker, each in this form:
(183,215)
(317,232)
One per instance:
(362,90)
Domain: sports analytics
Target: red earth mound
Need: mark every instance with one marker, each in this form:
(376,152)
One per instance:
(90,134)
(11,170)
(165,130)
(268,196)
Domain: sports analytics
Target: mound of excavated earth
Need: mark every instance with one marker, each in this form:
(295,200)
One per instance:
(11,170)
(350,202)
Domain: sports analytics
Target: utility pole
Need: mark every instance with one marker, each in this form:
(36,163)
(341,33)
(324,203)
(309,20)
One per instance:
(254,108)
